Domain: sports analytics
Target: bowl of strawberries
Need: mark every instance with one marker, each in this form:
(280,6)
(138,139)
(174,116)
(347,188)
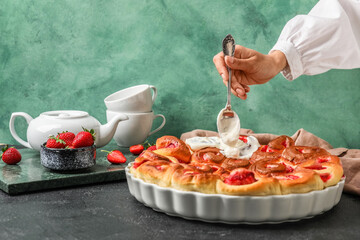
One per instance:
(67,151)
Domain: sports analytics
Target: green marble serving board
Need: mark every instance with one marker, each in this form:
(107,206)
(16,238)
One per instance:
(29,175)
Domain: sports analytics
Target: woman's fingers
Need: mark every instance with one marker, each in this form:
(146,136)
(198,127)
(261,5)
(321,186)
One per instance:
(221,66)
(246,87)
(239,64)
(242,95)
(239,90)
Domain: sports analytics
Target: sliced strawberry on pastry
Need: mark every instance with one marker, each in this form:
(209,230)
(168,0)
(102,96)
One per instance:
(240,176)
(325,177)
(328,158)
(243,182)
(315,167)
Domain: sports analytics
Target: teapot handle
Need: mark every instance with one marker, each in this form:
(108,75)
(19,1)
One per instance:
(28,119)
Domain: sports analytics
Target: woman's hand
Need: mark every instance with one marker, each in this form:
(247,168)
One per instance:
(249,67)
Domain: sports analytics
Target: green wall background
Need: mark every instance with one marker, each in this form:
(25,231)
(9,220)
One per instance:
(72,54)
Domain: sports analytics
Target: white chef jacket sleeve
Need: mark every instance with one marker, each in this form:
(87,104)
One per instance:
(327,38)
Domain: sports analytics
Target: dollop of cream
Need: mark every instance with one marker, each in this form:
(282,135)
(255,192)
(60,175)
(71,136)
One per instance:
(239,150)
(251,146)
(229,129)
(197,143)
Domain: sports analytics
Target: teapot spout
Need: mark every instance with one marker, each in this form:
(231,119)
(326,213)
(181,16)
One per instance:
(108,130)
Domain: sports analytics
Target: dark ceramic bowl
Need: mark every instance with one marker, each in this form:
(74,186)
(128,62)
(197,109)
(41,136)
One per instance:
(68,159)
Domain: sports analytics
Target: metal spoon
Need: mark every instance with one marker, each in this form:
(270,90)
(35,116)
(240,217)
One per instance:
(228,122)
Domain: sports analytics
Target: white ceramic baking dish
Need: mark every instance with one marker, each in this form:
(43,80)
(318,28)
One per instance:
(234,209)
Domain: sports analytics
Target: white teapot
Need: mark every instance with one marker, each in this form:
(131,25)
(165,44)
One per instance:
(54,122)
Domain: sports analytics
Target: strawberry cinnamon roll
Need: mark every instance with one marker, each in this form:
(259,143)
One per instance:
(271,167)
(300,154)
(189,178)
(232,163)
(158,172)
(330,171)
(299,181)
(148,156)
(243,182)
(172,146)
(264,152)
(210,168)
(208,155)
(281,142)
(273,149)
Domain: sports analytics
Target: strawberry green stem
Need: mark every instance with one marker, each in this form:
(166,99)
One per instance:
(106,151)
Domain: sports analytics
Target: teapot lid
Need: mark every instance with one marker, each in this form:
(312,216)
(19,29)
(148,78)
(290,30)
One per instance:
(65,114)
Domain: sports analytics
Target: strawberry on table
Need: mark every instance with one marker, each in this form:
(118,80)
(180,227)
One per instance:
(136,149)
(84,138)
(67,137)
(55,142)
(115,156)
(10,155)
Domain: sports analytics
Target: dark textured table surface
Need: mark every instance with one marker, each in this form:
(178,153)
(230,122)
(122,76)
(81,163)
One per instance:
(108,211)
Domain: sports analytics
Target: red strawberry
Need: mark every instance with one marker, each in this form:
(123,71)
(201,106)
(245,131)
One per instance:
(243,138)
(152,148)
(84,138)
(54,142)
(136,149)
(240,176)
(115,156)
(68,137)
(10,155)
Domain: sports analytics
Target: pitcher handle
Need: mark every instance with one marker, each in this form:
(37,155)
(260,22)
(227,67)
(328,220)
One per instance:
(154,94)
(28,119)
(161,126)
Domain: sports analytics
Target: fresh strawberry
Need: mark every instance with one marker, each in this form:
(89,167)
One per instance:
(67,137)
(10,155)
(115,156)
(152,148)
(55,142)
(84,138)
(243,138)
(136,149)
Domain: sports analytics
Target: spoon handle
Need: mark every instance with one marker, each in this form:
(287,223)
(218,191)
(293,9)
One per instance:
(228,45)
(228,104)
